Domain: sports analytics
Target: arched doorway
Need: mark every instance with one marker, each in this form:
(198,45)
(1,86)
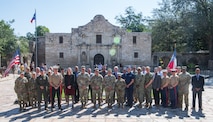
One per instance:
(98,58)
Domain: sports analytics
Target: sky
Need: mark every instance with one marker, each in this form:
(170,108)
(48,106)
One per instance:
(62,15)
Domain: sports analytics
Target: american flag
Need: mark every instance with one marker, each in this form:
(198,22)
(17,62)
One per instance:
(15,60)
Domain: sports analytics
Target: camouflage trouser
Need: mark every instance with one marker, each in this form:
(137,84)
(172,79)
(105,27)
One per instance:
(147,92)
(102,90)
(120,96)
(33,97)
(96,93)
(135,91)
(109,97)
(180,99)
(22,100)
(83,93)
(140,94)
(23,97)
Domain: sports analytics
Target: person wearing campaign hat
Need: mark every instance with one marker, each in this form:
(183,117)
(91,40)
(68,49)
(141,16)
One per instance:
(164,88)
(173,89)
(183,88)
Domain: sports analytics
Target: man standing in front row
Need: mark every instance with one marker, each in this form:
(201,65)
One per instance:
(96,83)
(21,91)
(139,86)
(109,83)
(130,77)
(183,88)
(173,89)
(83,84)
(197,88)
(43,87)
(56,81)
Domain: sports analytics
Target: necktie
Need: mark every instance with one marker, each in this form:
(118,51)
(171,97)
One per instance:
(197,77)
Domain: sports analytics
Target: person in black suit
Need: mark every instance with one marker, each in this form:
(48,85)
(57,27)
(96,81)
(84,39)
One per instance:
(156,85)
(197,88)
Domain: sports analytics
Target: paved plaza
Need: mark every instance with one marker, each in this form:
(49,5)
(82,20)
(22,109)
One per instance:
(10,111)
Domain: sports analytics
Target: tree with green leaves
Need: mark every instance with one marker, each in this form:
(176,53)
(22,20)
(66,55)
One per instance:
(9,42)
(188,23)
(41,30)
(7,39)
(132,21)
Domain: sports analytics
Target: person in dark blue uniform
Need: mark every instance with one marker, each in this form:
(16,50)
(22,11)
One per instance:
(129,79)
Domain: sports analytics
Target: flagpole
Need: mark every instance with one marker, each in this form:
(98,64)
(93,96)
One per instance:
(36,63)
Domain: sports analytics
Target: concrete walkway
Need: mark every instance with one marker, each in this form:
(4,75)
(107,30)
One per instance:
(10,111)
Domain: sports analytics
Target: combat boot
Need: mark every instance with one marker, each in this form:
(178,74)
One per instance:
(140,105)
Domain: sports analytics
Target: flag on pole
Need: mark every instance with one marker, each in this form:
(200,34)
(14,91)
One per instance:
(33,18)
(15,60)
(173,62)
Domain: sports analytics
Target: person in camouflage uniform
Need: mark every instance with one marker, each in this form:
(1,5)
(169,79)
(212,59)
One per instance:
(32,90)
(109,83)
(120,86)
(103,73)
(83,84)
(28,75)
(148,87)
(21,91)
(42,82)
(96,83)
(183,88)
(139,86)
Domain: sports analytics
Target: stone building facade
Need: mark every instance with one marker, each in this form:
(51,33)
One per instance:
(96,42)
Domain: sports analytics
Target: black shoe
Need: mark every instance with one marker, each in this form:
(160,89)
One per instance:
(200,109)
(127,105)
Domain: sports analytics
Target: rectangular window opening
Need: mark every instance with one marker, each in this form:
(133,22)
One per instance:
(134,40)
(98,39)
(60,39)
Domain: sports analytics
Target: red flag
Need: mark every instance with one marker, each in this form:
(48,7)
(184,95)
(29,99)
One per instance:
(33,18)
(15,60)
(173,62)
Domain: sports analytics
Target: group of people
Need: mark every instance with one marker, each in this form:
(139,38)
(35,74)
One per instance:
(131,86)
